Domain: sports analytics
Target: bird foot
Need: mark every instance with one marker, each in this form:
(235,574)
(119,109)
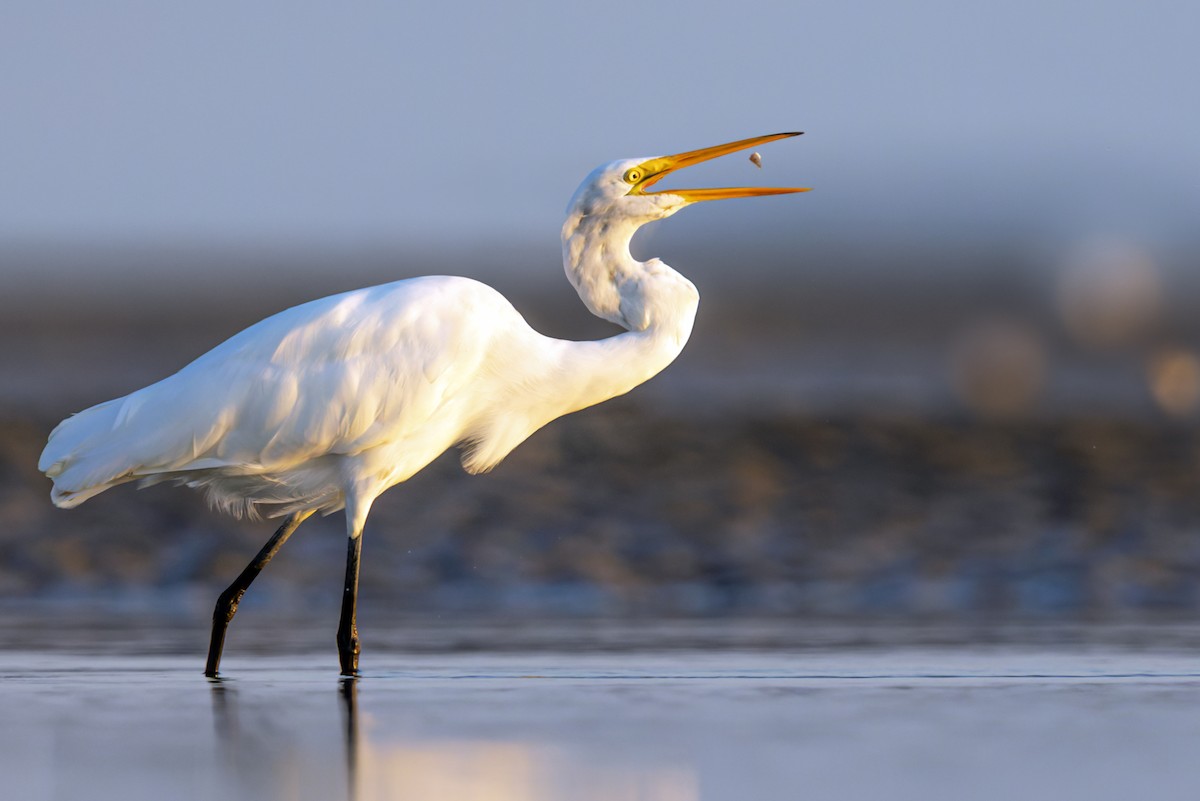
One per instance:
(348,650)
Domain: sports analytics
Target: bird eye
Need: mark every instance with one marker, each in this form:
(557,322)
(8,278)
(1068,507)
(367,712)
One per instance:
(633,176)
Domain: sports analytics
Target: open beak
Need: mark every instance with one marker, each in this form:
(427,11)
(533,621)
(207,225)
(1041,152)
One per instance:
(655,170)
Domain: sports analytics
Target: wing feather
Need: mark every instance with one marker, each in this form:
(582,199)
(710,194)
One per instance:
(335,376)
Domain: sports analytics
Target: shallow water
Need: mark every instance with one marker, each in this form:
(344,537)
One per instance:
(953,722)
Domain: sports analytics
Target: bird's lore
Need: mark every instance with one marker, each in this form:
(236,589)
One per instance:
(326,405)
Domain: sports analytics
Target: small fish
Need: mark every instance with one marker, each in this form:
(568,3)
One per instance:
(756,159)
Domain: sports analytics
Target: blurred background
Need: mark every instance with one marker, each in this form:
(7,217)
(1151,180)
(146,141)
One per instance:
(957,381)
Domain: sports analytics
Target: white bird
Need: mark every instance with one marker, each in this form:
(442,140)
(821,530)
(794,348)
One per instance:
(326,405)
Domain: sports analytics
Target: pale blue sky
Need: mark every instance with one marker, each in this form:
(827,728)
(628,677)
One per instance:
(390,122)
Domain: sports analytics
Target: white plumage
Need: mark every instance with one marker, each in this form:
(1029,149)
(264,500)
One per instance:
(345,395)
(326,405)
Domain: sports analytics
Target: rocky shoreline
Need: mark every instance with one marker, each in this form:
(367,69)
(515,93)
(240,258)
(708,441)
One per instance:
(619,511)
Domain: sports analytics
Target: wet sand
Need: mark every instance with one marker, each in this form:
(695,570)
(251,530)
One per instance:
(1096,722)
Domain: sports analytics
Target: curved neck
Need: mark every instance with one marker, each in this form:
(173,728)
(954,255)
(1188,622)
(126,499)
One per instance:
(654,303)
(598,263)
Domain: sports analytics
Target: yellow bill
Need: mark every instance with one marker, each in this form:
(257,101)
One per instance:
(650,172)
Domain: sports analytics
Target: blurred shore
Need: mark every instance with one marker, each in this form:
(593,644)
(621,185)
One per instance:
(622,511)
(996,329)
(833,441)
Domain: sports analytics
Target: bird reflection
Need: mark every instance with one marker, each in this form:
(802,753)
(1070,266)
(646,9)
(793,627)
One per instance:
(242,760)
(245,752)
(269,743)
(225,721)
(349,696)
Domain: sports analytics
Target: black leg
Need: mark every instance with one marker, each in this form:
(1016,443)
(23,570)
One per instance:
(347,636)
(227,603)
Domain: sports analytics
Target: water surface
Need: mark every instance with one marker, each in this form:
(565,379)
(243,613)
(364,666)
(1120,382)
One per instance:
(929,722)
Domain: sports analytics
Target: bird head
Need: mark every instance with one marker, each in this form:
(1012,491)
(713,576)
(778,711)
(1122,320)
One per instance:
(622,188)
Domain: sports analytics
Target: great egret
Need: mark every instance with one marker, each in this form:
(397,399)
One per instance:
(326,405)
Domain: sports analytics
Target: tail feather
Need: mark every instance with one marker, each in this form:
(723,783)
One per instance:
(151,440)
(164,427)
(69,499)
(81,456)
